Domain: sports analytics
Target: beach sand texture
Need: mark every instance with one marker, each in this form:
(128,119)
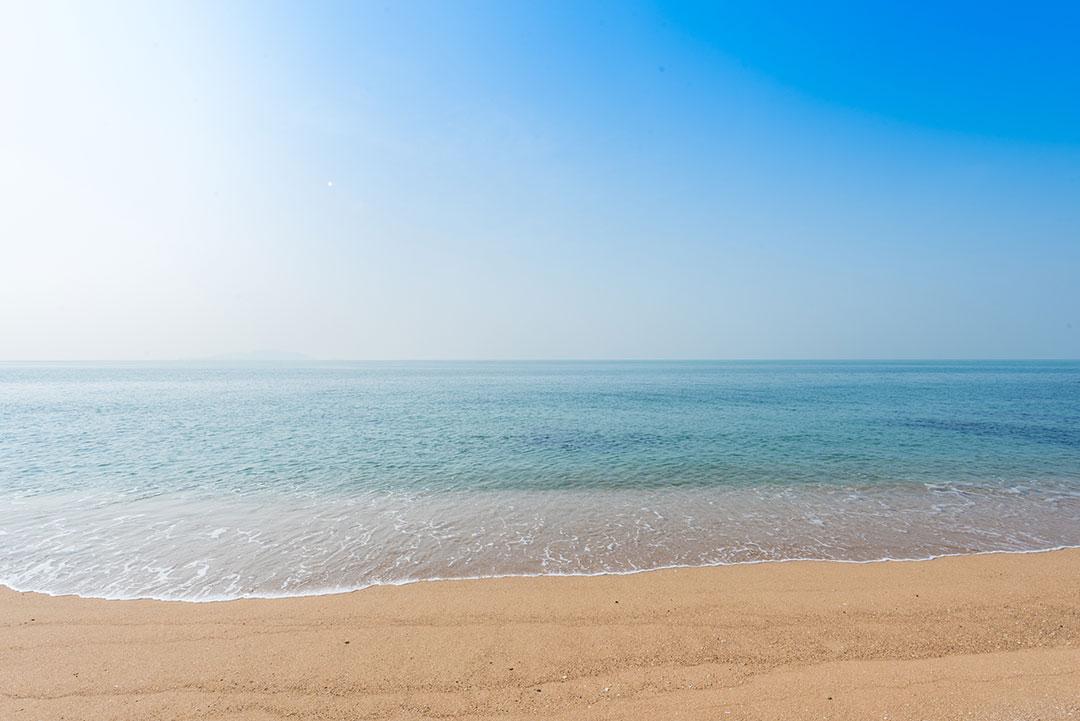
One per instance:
(980,637)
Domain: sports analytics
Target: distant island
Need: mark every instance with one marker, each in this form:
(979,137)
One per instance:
(261,355)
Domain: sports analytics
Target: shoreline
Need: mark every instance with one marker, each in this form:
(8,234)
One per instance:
(996,635)
(498,577)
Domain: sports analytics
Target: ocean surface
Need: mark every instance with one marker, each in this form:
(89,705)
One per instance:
(199,481)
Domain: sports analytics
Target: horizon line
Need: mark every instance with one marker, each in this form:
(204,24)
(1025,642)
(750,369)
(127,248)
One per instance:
(756,359)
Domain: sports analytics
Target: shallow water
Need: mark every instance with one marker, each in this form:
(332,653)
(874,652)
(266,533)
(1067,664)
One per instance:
(218,481)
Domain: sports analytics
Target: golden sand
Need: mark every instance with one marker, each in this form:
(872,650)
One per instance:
(981,637)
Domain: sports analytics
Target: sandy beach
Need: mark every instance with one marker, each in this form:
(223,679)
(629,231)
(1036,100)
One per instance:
(987,637)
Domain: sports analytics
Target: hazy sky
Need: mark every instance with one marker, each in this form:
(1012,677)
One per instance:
(539,180)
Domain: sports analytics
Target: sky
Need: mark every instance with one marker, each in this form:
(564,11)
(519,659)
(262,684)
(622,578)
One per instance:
(521,180)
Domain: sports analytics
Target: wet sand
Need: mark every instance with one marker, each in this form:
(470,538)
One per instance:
(980,637)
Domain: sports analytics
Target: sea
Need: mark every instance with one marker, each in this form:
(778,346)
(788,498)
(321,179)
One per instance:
(209,481)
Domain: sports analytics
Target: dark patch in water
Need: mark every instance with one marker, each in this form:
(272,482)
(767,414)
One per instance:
(1069,437)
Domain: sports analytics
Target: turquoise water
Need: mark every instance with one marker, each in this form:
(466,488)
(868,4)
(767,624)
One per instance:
(218,481)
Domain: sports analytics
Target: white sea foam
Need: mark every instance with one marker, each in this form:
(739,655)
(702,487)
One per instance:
(288,545)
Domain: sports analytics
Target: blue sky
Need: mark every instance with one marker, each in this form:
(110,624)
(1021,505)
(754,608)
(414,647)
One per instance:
(540,180)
